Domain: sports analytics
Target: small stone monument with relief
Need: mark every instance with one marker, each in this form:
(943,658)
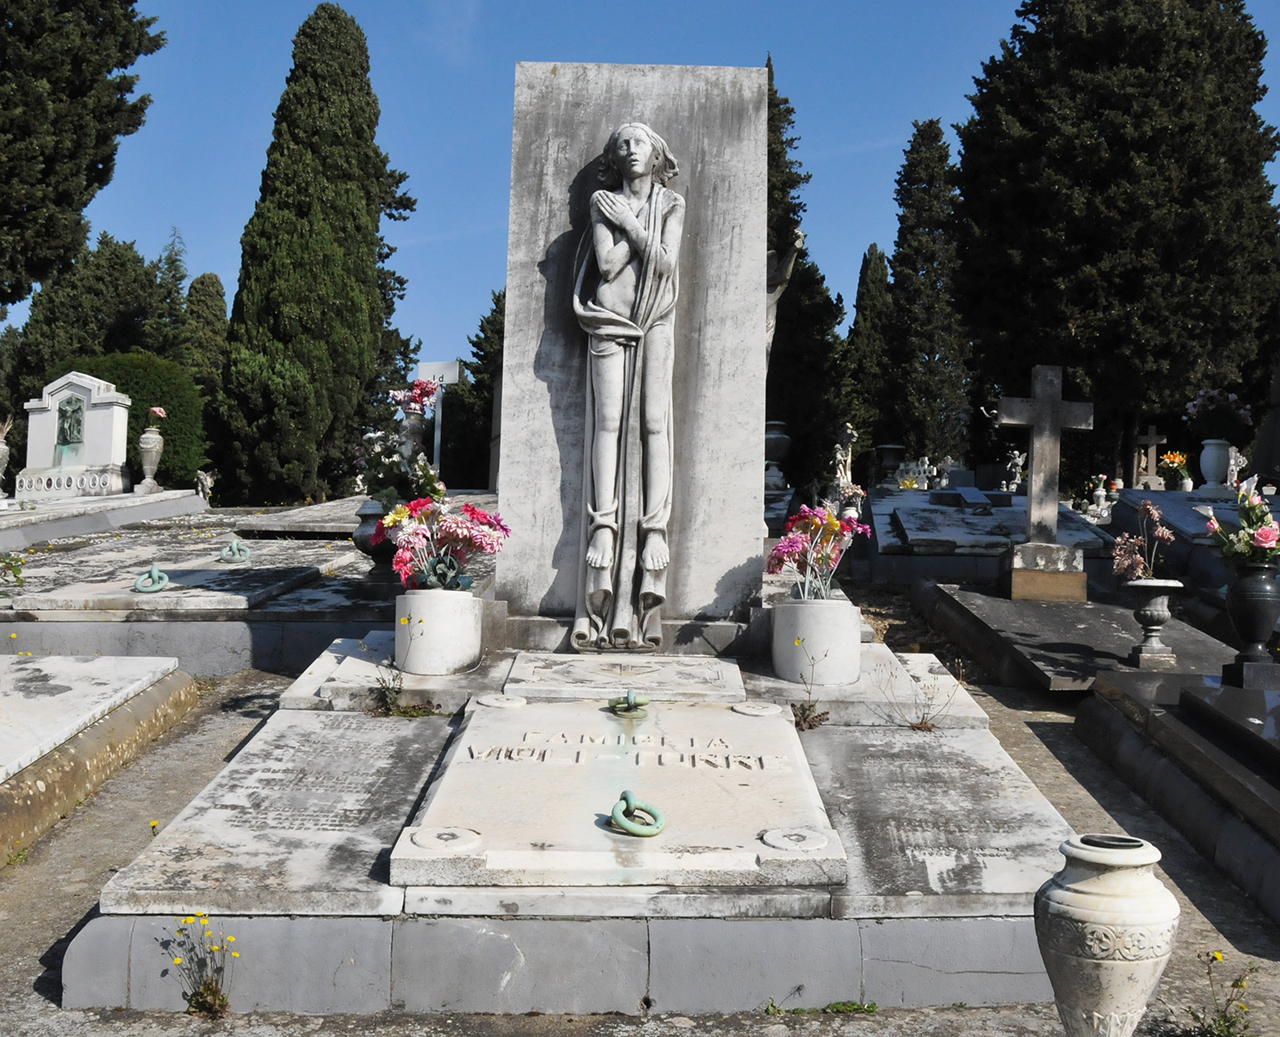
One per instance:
(76,436)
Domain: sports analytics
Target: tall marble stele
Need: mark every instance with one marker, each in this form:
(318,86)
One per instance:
(702,490)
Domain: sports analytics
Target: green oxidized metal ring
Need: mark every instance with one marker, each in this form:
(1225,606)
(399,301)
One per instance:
(151,581)
(235,552)
(624,812)
(628,705)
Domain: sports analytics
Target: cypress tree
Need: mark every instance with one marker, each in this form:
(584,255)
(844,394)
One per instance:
(1116,217)
(807,376)
(468,422)
(62,112)
(865,402)
(309,315)
(930,381)
(206,333)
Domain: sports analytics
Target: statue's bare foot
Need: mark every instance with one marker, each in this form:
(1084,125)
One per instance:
(656,556)
(600,550)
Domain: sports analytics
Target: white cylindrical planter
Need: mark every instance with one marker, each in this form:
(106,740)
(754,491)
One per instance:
(1105,925)
(437,631)
(830,632)
(1215,459)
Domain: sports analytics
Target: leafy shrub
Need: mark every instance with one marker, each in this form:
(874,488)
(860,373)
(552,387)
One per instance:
(150,381)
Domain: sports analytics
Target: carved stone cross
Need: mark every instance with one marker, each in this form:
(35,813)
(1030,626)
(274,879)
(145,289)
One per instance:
(1151,441)
(1048,417)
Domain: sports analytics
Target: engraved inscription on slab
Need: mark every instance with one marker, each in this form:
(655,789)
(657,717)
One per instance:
(538,784)
(296,823)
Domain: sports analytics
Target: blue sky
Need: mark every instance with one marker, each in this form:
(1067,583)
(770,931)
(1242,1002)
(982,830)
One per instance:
(857,71)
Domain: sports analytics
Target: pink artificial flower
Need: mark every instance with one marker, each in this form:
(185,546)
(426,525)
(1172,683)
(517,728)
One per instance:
(159,412)
(1212,525)
(1255,500)
(1266,537)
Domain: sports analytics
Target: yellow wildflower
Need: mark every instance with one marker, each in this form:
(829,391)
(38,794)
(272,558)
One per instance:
(235,954)
(1217,955)
(204,921)
(215,947)
(404,621)
(177,961)
(799,641)
(231,939)
(189,920)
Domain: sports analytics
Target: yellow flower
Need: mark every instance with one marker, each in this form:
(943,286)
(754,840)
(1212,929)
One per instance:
(235,954)
(177,961)
(231,939)
(799,641)
(404,621)
(204,921)
(189,920)
(215,947)
(1217,955)
(155,824)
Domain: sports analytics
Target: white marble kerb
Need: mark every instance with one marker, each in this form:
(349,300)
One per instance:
(527,792)
(548,675)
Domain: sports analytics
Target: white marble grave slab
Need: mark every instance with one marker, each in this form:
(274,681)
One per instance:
(932,529)
(935,822)
(298,823)
(198,579)
(527,791)
(45,701)
(892,690)
(668,678)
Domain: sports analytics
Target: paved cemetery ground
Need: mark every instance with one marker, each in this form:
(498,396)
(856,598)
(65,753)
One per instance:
(45,897)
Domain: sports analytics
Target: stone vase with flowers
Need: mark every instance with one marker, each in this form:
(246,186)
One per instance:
(1252,548)
(1134,560)
(817,633)
(1218,419)
(1174,470)
(438,620)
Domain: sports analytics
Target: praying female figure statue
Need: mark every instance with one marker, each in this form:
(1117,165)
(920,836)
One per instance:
(626,281)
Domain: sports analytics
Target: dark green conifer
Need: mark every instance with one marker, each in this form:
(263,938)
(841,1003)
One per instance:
(865,403)
(206,333)
(308,319)
(1116,215)
(928,375)
(806,382)
(62,112)
(468,410)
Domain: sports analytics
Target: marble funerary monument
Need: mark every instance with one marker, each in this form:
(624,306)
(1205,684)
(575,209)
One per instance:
(76,435)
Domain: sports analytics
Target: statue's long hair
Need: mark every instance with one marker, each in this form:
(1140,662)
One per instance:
(664,170)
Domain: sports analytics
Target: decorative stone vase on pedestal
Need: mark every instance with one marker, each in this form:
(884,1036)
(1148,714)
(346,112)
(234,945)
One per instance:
(437,631)
(830,634)
(369,513)
(1152,613)
(1215,458)
(151,446)
(1105,925)
(1253,603)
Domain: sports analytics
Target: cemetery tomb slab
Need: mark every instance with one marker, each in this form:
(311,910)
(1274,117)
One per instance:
(298,823)
(619,901)
(547,675)
(197,577)
(934,822)
(537,784)
(46,701)
(1248,715)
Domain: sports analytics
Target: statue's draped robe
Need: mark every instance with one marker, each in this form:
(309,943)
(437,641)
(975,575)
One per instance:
(621,606)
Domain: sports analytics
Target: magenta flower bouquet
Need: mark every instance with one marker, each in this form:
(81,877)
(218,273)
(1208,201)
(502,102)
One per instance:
(1257,541)
(434,543)
(814,542)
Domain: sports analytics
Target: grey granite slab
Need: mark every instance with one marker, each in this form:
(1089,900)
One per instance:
(198,579)
(46,700)
(527,791)
(939,822)
(1249,716)
(548,675)
(1060,646)
(300,822)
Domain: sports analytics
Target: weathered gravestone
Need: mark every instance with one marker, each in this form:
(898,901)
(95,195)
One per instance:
(1042,569)
(76,436)
(634,355)
(1150,478)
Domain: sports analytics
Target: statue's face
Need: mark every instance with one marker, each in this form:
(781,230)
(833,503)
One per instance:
(634,152)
